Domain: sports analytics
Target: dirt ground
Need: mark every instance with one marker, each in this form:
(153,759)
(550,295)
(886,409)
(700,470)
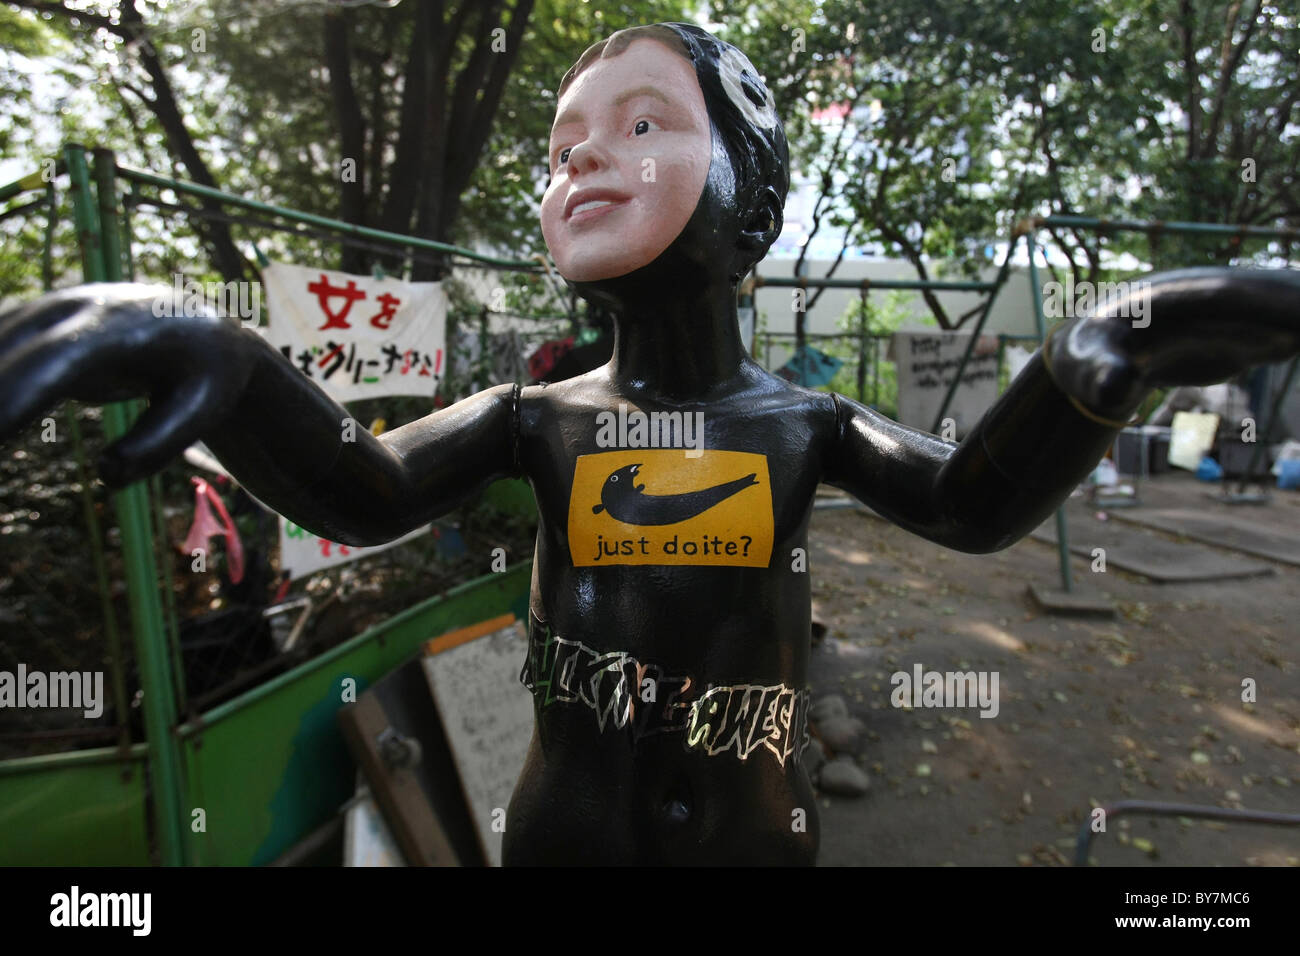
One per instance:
(1145,705)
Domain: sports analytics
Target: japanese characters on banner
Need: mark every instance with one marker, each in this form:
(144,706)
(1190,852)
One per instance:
(303,553)
(357,336)
(927,361)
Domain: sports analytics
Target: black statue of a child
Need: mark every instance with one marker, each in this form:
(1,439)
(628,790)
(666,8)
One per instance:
(669,624)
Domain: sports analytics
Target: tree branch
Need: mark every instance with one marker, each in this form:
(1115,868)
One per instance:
(94,19)
(1229,59)
(225,257)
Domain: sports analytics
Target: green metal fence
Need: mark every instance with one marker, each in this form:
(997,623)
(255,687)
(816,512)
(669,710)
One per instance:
(268,766)
(265,768)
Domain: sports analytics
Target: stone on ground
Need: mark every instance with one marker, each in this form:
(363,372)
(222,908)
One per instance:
(843,778)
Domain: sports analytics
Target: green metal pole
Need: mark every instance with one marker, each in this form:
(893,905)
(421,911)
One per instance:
(862,349)
(47,247)
(128,257)
(943,285)
(32,181)
(1062,528)
(875,371)
(1189,228)
(338,225)
(84,214)
(162,553)
(93,531)
(106,196)
(102,261)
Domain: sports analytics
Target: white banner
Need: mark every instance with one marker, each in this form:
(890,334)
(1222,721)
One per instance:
(303,553)
(357,336)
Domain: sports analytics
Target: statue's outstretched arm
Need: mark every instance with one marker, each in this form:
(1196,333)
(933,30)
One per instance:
(1056,420)
(284,439)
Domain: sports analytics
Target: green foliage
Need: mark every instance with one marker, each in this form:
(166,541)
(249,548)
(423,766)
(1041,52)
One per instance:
(883,315)
(255,95)
(971,116)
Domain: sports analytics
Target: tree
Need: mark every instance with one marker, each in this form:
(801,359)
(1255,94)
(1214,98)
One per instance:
(427,119)
(1232,151)
(126,24)
(971,116)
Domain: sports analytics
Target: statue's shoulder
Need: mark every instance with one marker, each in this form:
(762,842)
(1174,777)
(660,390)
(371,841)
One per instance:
(591,389)
(772,392)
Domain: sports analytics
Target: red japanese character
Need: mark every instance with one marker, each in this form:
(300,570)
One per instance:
(323,291)
(384,318)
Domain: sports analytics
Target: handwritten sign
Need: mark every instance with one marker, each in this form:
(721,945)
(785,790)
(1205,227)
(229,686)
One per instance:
(927,364)
(663,506)
(303,553)
(357,336)
(487,716)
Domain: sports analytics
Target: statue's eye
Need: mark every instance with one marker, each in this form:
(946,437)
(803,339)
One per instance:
(642,126)
(564,154)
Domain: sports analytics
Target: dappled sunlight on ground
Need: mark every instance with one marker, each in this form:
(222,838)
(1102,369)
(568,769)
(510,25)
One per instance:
(1144,705)
(1272,731)
(991,633)
(853,556)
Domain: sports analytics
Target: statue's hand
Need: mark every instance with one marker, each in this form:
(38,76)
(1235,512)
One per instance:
(103,343)
(1192,327)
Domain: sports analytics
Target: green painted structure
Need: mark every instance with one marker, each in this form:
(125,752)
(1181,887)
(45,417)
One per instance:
(254,776)
(266,768)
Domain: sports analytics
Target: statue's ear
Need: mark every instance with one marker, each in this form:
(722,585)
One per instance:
(765,224)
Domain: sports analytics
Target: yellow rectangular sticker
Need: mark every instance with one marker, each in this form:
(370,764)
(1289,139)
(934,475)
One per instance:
(657,506)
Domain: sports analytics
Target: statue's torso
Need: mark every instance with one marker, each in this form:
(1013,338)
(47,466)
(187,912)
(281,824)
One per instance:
(671,698)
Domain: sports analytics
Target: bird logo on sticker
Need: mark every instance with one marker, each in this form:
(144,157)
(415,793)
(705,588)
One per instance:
(626,501)
(713,509)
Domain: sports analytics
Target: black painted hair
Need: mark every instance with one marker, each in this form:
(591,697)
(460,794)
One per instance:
(738,102)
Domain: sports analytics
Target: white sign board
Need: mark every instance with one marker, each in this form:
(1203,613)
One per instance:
(1191,438)
(927,363)
(356,336)
(487,715)
(303,553)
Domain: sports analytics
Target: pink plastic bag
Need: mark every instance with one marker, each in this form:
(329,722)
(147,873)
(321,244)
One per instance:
(206,527)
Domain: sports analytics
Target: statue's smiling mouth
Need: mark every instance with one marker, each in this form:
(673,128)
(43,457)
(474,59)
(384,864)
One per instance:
(588,203)
(593,209)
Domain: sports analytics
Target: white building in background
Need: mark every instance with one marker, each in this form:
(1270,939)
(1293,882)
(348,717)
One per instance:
(1012,311)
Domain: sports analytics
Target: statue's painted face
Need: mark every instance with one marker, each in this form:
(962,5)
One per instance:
(630,153)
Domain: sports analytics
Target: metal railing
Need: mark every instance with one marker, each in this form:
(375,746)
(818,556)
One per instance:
(1026,229)
(105,250)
